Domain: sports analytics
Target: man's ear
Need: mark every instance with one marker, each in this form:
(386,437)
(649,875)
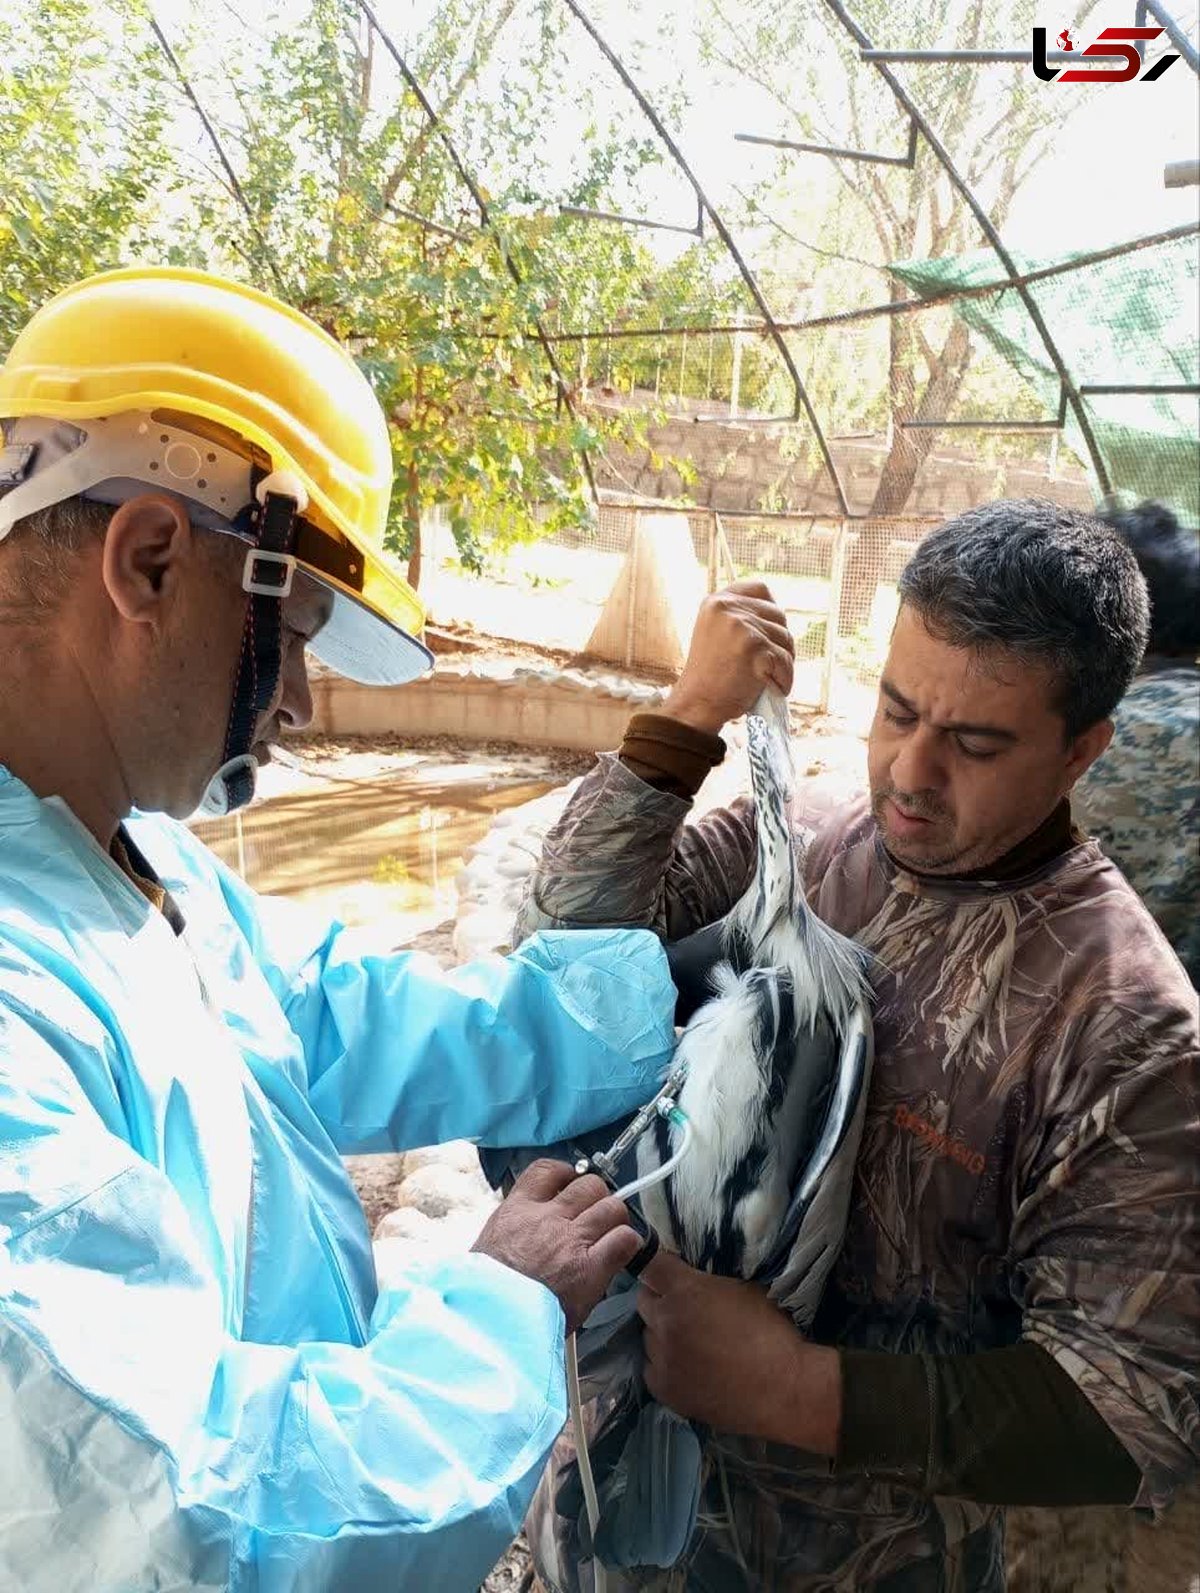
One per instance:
(149,539)
(1086,748)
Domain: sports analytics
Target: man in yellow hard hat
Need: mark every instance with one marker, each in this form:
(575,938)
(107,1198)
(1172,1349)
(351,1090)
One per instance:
(199,1384)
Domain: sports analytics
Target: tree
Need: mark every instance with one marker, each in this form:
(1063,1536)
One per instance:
(320,177)
(810,70)
(339,165)
(80,147)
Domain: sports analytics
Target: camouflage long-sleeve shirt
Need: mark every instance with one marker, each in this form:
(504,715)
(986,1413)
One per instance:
(1030,1165)
(1141,801)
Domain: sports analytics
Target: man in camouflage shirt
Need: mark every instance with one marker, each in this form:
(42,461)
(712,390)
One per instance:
(1015,1315)
(1141,798)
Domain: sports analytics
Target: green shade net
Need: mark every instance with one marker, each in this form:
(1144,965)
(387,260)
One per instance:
(1132,319)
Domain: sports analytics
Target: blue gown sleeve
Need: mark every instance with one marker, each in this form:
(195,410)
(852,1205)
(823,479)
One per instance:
(144,1445)
(567,1034)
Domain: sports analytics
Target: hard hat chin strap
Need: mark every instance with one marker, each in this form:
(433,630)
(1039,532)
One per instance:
(267,579)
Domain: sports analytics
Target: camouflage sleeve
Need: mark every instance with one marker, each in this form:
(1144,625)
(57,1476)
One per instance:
(621,856)
(1105,1242)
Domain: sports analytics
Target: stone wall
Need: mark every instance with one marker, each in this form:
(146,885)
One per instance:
(740,466)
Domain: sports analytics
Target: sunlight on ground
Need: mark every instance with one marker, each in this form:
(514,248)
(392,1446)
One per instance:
(550,596)
(543,595)
(375,849)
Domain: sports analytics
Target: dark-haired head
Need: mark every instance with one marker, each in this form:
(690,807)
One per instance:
(1045,584)
(1168,556)
(1021,626)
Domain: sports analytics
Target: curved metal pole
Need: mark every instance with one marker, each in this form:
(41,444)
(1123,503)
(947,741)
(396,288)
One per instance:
(1174,32)
(1015,280)
(802,400)
(238,191)
(485,217)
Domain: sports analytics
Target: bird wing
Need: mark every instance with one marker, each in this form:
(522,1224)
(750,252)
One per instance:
(646,1460)
(649,1505)
(814,1226)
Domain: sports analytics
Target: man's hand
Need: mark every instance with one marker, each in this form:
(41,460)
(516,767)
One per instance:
(567,1232)
(741,643)
(718,1351)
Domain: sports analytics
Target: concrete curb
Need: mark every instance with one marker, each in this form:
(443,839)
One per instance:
(494,700)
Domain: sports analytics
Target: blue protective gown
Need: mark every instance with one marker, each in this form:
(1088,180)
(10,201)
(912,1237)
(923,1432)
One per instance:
(200,1385)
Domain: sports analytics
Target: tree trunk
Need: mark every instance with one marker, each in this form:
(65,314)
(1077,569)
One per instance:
(412,520)
(867,557)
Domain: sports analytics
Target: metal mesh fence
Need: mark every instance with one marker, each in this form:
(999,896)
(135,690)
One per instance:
(835,579)
(813,313)
(901,384)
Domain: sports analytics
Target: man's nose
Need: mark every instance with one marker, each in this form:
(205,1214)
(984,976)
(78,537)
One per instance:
(917,765)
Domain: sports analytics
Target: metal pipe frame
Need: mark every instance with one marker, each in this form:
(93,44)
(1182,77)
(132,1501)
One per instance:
(981,425)
(611,498)
(1070,394)
(860,37)
(1174,32)
(1145,389)
(485,217)
(238,191)
(1086,389)
(803,403)
(1144,8)
(908,159)
(966,57)
(889,306)
(587,213)
(980,58)
(993,425)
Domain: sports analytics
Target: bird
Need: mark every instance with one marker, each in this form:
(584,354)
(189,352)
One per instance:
(757,1144)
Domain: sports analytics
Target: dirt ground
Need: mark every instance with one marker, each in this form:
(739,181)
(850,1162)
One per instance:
(460,642)
(358,757)
(376,830)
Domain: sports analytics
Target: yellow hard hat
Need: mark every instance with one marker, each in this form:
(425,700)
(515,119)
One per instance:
(187,382)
